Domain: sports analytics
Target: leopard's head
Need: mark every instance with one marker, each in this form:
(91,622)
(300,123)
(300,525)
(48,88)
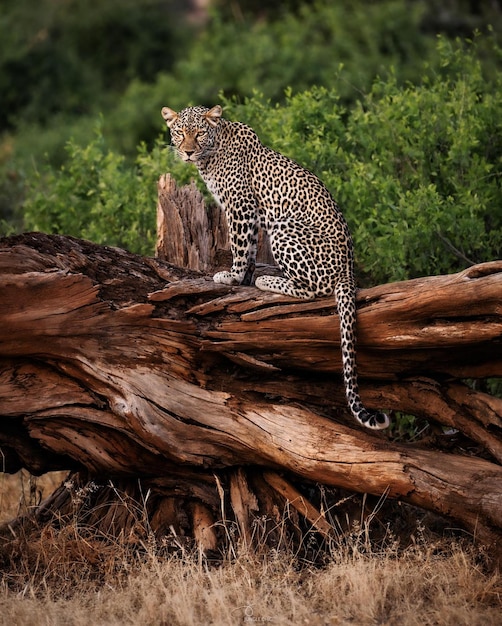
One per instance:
(193,130)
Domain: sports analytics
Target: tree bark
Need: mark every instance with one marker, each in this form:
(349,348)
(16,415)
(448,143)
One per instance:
(226,398)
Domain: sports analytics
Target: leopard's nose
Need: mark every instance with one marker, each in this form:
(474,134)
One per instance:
(189,153)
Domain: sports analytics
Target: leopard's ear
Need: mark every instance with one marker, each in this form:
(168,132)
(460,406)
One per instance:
(213,115)
(169,115)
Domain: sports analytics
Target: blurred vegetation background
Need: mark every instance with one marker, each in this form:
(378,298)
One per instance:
(395,104)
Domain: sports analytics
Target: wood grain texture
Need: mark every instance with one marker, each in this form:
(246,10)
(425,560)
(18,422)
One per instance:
(105,367)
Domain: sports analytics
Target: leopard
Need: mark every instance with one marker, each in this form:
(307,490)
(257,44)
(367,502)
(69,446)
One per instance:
(258,187)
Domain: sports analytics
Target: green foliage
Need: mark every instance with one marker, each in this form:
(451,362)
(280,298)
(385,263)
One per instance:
(416,169)
(99,195)
(63,63)
(406,428)
(344,44)
(69,56)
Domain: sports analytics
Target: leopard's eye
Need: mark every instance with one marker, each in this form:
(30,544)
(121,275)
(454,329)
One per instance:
(202,134)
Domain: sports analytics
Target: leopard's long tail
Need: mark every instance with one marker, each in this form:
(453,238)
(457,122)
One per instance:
(346,302)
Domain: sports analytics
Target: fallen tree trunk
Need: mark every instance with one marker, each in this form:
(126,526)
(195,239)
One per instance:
(131,368)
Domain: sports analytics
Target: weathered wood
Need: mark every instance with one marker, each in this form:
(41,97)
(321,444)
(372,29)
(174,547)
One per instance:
(203,527)
(191,234)
(104,367)
(188,234)
(300,503)
(244,504)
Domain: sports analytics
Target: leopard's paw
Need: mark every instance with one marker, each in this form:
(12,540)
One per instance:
(227,278)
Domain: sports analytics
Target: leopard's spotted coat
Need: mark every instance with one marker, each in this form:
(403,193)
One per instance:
(308,234)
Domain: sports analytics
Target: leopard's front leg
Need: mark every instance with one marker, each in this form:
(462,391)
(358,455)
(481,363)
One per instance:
(243,233)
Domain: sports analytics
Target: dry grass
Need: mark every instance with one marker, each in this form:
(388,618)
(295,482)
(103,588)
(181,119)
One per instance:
(72,577)
(21,491)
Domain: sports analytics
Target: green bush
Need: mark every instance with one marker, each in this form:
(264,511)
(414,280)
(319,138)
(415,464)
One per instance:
(69,57)
(416,170)
(344,45)
(61,63)
(127,58)
(99,195)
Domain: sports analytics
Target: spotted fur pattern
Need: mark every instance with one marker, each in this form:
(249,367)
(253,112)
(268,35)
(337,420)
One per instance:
(308,234)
